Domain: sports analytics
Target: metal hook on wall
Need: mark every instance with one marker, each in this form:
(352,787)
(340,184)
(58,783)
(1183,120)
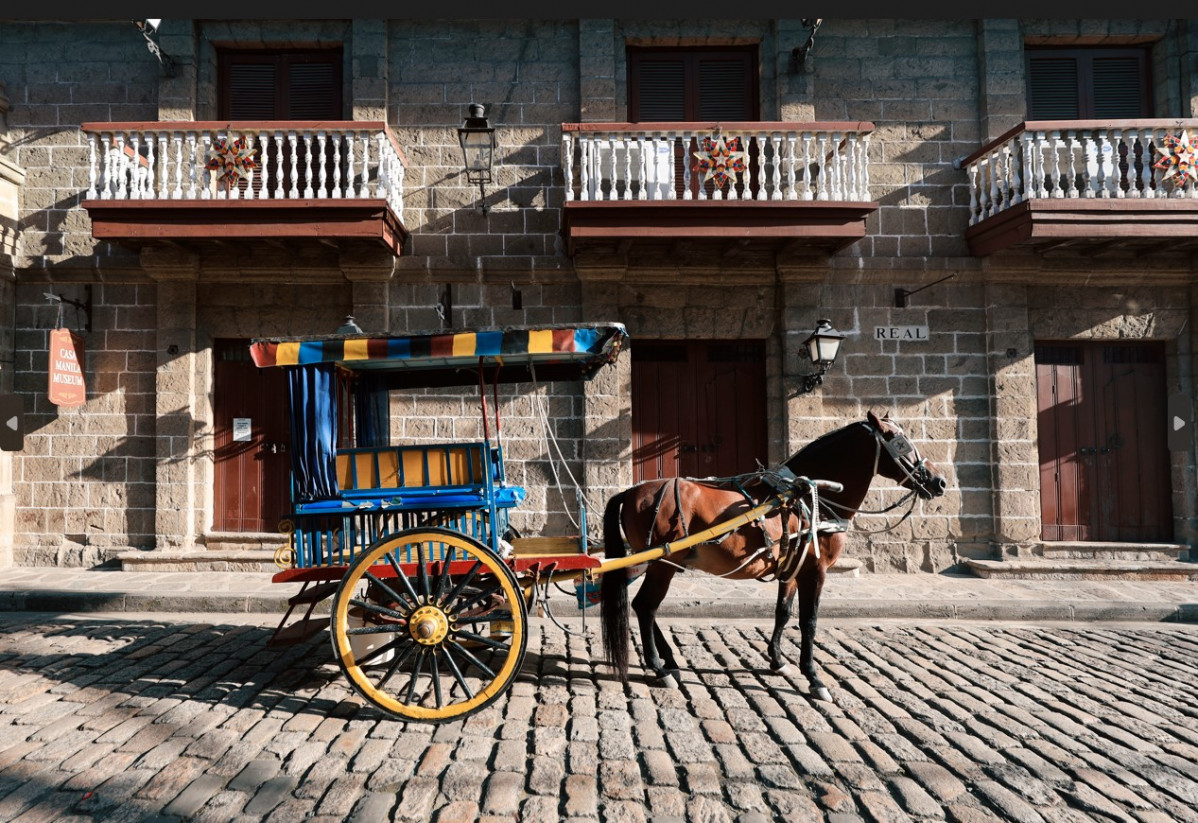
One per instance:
(85,306)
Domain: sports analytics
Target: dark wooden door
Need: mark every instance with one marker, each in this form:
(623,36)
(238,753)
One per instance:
(698,408)
(1104,469)
(252,475)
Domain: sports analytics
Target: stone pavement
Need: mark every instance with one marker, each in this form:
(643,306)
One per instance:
(693,595)
(145,717)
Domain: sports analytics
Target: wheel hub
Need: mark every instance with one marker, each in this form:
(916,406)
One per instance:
(428,625)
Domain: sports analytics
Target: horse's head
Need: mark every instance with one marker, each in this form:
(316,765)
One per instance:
(899,459)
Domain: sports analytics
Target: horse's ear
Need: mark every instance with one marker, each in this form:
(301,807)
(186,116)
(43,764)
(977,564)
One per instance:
(873,419)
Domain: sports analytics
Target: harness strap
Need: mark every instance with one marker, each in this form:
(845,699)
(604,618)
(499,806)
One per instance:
(678,508)
(661,496)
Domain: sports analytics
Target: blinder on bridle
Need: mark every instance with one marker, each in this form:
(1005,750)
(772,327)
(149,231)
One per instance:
(904,454)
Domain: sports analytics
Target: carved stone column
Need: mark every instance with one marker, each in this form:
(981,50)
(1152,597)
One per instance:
(175,389)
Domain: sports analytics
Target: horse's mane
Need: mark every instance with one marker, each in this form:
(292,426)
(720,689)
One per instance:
(812,449)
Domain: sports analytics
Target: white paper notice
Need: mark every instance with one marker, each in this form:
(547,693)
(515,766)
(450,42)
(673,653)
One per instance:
(241,429)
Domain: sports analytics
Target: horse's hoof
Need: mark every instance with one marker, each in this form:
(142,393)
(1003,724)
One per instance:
(779,668)
(823,694)
(668,679)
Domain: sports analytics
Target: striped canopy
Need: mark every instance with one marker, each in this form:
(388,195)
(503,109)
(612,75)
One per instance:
(512,354)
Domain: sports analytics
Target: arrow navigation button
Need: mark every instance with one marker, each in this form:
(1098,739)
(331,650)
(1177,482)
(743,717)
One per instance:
(12,434)
(1181,422)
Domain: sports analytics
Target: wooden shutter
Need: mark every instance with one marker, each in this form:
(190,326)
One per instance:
(1120,87)
(280,85)
(691,84)
(661,89)
(1088,83)
(1052,89)
(726,88)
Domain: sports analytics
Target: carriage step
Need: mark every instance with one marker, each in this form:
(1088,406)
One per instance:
(1070,569)
(298,632)
(314,594)
(202,560)
(546,546)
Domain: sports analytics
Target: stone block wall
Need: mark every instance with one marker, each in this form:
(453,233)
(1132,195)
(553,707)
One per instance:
(85,482)
(60,75)
(917,81)
(526,73)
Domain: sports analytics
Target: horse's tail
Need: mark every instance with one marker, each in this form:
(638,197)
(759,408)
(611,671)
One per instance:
(613,590)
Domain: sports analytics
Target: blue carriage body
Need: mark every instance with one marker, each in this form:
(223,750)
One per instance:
(344,498)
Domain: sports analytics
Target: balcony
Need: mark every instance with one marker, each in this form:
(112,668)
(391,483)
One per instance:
(635,188)
(333,184)
(1085,186)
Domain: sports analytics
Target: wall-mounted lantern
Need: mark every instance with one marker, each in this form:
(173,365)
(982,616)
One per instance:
(478,149)
(823,346)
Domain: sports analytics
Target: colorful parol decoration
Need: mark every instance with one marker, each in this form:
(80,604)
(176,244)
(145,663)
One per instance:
(719,159)
(1178,157)
(232,159)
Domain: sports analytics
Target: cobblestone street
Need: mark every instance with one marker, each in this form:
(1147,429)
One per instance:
(157,717)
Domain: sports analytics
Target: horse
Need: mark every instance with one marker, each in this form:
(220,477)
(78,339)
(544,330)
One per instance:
(654,512)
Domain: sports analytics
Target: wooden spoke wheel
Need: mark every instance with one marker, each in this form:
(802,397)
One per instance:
(429,625)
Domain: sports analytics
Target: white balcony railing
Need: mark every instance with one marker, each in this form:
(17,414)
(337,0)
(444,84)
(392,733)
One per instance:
(1073,159)
(295,160)
(656,161)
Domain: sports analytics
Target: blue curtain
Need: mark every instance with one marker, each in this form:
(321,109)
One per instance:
(372,410)
(313,432)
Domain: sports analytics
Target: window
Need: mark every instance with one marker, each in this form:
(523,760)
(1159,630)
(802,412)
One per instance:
(280,85)
(1088,83)
(692,84)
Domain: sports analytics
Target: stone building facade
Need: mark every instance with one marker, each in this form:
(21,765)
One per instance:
(134,467)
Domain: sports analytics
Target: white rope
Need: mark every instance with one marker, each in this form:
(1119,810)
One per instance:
(541,405)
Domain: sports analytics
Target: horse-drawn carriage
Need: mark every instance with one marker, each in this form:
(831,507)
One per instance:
(431,588)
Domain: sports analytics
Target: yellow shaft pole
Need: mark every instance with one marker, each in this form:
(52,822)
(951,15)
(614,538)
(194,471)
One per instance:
(719,529)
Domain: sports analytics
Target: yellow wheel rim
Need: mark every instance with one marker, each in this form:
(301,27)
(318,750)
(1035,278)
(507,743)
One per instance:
(454,642)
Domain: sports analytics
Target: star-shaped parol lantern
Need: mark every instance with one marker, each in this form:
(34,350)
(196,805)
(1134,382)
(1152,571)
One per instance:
(1179,159)
(719,159)
(231,159)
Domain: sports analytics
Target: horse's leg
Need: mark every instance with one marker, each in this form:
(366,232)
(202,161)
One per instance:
(658,655)
(782,613)
(810,584)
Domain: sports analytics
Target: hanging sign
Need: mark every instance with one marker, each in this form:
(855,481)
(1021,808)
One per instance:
(67,387)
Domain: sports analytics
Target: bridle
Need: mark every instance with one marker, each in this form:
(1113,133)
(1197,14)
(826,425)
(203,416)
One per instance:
(913,466)
(905,455)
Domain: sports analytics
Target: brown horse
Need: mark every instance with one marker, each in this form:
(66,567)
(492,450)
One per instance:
(658,511)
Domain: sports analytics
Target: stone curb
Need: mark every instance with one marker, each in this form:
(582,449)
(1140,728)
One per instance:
(35,600)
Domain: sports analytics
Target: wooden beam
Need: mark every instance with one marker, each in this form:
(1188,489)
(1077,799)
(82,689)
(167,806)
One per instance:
(734,248)
(1050,245)
(1096,249)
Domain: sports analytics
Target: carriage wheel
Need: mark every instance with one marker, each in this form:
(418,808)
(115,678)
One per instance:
(440,643)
